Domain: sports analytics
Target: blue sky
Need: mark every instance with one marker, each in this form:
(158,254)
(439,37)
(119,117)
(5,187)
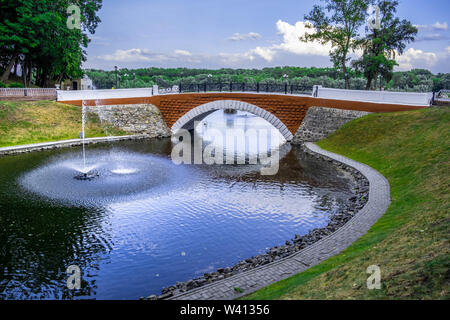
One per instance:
(241,34)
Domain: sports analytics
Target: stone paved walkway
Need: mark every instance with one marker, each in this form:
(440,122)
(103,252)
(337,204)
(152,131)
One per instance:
(252,280)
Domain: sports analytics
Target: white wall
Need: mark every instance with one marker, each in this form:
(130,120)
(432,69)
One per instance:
(406,98)
(69,95)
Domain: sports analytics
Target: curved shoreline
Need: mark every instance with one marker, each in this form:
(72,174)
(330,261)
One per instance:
(5,151)
(282,262)
(246,282)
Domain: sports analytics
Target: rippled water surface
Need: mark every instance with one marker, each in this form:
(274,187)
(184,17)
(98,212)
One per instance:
(145,223)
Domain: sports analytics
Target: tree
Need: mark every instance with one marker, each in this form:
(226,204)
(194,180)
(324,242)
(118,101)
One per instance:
(17,32)
(36,33)
(381,45)
(337,23)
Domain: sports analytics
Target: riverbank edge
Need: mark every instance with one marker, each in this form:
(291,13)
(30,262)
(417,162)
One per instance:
(330,243)
(282,256)
(5,151)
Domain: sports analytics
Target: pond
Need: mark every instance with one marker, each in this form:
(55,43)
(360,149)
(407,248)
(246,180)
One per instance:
(145,223)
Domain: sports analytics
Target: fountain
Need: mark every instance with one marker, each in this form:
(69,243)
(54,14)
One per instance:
(86,174)
(125,209)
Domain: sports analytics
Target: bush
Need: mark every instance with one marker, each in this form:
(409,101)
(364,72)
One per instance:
(15,85)
(2,85)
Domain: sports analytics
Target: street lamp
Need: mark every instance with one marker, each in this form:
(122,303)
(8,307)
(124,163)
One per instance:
(381,76)
(285,76)
(117,77)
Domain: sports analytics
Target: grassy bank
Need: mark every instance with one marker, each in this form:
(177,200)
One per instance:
(410,242)
(24,122)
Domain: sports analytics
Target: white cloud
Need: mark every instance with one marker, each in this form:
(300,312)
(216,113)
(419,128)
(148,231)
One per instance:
(267,53)
(437,26)
(131,55)
(432,32)
(413,58)
(291,42)
(248,36)
(432,37)
(440,26)
(179,57)
(283,52)
(143,55)
(182,53)
(233,59)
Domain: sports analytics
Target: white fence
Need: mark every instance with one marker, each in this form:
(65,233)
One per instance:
(405,98)
(27,92)
(74,95)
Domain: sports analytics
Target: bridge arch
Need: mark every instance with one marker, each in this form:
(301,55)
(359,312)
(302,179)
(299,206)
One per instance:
(200,112)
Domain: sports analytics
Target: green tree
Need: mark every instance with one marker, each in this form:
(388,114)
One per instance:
(337,23)
(36,33)
(381,45)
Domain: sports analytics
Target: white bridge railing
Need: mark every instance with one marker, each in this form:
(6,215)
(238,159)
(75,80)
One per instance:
(75,95)
(388,97)
(27,92)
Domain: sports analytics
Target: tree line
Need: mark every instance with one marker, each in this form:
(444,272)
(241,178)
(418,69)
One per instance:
(416,80)
(37,42)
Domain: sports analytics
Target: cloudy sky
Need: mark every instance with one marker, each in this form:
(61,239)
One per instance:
(242,34)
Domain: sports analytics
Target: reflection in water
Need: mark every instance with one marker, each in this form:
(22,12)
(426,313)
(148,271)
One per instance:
(242,134)
(134,232)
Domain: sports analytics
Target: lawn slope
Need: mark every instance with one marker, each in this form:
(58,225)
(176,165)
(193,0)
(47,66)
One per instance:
(410,242)
(24,122)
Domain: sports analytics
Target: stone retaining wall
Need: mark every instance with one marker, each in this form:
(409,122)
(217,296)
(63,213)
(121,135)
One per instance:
(142,119)
(321,122)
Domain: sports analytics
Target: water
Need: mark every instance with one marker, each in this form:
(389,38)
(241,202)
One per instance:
(146,223)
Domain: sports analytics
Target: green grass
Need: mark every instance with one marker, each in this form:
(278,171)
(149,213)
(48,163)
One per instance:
(410,242)
(24,122)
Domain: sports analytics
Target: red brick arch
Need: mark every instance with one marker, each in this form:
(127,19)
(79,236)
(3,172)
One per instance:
(199,112)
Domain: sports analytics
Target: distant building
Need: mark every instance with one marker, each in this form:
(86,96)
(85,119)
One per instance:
(77,84)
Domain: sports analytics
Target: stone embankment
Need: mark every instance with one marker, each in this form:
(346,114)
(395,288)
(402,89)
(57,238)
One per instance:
(135,119)
(320,122)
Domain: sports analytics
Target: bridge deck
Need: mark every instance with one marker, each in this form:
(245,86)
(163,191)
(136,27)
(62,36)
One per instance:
(290,109)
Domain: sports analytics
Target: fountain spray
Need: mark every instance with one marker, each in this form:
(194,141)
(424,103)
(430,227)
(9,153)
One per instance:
(83,120)
(85,175)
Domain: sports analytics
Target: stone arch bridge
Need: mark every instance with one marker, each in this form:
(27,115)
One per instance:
(285,112)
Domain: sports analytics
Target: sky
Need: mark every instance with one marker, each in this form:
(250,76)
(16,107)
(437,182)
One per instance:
(242,34)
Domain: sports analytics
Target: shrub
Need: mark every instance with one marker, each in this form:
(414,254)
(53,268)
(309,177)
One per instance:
(15,85)
(2,85)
